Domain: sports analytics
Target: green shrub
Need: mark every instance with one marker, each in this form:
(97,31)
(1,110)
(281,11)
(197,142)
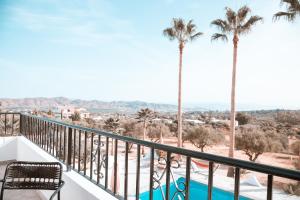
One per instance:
(295,147)
(201,137)
(252,142)
(242,118)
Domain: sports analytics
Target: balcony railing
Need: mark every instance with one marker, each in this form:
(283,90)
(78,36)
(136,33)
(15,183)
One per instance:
(87,151)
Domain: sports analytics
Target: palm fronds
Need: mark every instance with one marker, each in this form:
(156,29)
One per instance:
(231,16)
(222,25)
(182,31)
(169,32)
(243,12)
(218,36)
(292,10)
(246,28)
(235,23)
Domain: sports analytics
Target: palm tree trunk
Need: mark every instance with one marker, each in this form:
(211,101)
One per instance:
(232,113)
(144,137)
(179,114)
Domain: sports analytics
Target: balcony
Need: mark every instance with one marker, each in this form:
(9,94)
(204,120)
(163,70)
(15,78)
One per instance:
(102,165)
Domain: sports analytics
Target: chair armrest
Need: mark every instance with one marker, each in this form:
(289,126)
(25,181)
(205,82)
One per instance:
(2,180)
(58,189)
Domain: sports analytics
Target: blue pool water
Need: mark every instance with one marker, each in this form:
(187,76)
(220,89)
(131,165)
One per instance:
(197,191)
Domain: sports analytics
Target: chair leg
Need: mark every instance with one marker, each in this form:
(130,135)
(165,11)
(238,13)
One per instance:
(1,195)
(58,195)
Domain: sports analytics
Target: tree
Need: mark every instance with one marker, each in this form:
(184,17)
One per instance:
(277,142)
(111,125)
(183,33)
(50,113)
(236,24)
(242,118)
(201,137)
(75,116)
(292,10)
(157,131)
(90,122)
(296,147)
(288,117)
(252,142)
(145,116)
(131,129)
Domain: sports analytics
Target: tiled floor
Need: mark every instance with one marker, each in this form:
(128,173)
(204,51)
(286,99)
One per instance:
(17,194)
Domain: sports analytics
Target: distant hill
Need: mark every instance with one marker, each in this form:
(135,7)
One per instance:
(42,103)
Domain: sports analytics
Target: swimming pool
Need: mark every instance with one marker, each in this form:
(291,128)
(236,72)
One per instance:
(197,191)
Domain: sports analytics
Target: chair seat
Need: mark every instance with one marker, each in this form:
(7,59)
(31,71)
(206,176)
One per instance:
(32,185)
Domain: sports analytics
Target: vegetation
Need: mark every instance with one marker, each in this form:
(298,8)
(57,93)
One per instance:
(202,137)
(131,129)
(236,24)
(292,10)
(145,116)
(50,113)
(242,118)
(157,131)
(75,117)
(295,147)
(111,125)
(288,117)
(183,33)
(255,142)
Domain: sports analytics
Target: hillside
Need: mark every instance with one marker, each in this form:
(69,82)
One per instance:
(42,103)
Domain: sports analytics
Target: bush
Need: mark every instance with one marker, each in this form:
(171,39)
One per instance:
(290,117)
(75,116)
(276,142)
(295,147)
(111,124)
(132,129)
(252,142)
(201,137)
(255,142)
(155,130)
(242,118)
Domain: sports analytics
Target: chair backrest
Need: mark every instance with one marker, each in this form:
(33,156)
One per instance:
(33,175)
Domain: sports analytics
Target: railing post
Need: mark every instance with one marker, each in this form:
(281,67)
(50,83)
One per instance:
(21,125)
(69,156)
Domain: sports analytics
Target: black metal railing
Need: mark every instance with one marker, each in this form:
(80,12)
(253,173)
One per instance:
(9,124)
(89,152)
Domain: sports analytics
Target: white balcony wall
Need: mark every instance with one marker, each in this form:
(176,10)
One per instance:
(76,186)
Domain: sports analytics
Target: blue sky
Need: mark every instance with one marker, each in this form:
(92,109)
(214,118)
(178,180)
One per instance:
(115,50)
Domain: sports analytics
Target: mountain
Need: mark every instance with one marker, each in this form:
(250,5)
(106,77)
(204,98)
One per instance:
(42,103)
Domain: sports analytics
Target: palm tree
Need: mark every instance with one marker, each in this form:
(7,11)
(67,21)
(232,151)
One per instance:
(236,24)
(293,9)
(112,125)
(145,116)
(183,33)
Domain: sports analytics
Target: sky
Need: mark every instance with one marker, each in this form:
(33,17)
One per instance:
(113,50)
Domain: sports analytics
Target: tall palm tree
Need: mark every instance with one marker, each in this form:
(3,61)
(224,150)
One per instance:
(145,116)
(235,24)
(183,33)
(292,10)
